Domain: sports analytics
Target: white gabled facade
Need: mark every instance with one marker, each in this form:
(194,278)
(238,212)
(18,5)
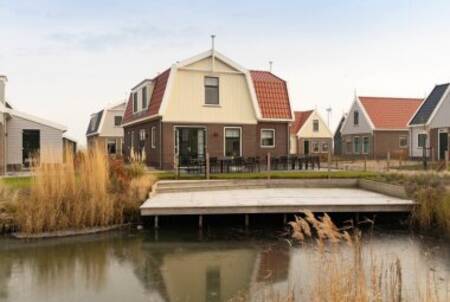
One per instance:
(365,125)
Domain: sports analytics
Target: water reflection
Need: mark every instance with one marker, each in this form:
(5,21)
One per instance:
(133,267)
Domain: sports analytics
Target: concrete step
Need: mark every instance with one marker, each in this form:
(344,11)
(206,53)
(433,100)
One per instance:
(211,185)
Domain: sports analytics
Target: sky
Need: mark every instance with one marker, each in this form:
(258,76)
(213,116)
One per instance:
(67,59)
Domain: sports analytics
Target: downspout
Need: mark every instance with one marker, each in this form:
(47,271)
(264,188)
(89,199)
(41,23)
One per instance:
(160,145)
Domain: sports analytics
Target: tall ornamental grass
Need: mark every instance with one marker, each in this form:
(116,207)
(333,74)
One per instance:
(83,192)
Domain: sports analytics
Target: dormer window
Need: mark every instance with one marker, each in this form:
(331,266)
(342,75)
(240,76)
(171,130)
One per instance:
(356,118)
(211,91)
(144,97)
(135,102)
(117,120)
(316,125)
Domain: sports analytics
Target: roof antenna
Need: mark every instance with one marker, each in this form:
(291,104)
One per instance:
(213,36)
(270,66)
(213,52)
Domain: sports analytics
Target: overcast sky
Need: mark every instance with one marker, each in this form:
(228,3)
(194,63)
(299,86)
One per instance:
(67,59)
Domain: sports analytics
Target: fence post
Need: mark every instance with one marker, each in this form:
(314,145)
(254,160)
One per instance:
(388,161)
(269,165)
(446,160)
(329,162)
(207,165)
(365,163)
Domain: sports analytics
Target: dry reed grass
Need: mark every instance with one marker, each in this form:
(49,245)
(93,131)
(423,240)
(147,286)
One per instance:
(343,272)
(81,193)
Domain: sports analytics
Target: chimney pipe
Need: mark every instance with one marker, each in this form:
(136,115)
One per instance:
(270,66)
(3,80)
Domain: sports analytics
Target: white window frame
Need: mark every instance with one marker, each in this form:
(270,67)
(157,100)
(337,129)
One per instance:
(318,125)
(153,138)
(362,145)
(328,148)
(353,141)
(135,108)
(112,141)
(121,121)
(142,98)
(318,146)
(225,138)
(359,117)
(260,138)
(400,139)
(218,91)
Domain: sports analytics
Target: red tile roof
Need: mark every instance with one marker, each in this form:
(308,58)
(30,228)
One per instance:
(155,100)
(300,119)
(390,113)
(272,95)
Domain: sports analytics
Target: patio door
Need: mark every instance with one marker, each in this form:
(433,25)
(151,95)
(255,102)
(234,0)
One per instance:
(31,144)
(306,147)
(443,145)
(189,144)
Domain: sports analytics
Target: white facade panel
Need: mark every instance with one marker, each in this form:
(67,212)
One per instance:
(442,117)
(363,125)
(51,142)
(415,150)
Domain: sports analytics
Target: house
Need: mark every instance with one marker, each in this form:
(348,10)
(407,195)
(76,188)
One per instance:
(105,129)
(69,145)
(377,125)
(337,138)
(310,134)
(430,125)
(207,103)
(25,137)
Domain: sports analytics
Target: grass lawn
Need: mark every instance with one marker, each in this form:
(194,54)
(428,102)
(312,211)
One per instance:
(16,182)
(274,175)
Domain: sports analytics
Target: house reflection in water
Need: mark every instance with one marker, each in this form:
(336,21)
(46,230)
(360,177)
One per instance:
(199,274)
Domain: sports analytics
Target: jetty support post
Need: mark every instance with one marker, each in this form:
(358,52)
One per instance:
(156,225)
(247,221)
(200,222)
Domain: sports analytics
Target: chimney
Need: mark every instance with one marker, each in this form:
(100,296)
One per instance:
(3,80)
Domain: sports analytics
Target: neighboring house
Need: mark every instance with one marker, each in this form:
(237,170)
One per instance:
(377,125)
(207,103)
(24,137)
(105,129)
(310,134)
(430,125)
(337,138)
(69,145)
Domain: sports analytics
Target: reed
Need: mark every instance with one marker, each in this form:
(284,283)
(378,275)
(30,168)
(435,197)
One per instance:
(81,193)
(345,270)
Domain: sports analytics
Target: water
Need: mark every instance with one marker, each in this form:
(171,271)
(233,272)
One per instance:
(184,266)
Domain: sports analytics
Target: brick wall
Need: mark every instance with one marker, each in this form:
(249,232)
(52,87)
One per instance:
(389,141)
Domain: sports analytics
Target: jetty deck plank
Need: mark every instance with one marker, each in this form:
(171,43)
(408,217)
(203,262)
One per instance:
(273,200)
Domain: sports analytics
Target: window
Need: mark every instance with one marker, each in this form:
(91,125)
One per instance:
(117,120)
(403,140)
(422,140)
(356,145)
(348,146)
(211,91)
(111,146)
(316,125)
(144,97)
(315,146)
(365,145)
(325,147)
(153,138)
(267,138)
(135,102)
(232,142)
(142,137)
(356,118)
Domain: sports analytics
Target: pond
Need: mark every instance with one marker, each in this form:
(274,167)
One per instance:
(182,265)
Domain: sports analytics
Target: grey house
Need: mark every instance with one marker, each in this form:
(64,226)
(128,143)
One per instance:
(429,127)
